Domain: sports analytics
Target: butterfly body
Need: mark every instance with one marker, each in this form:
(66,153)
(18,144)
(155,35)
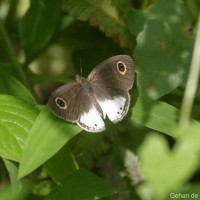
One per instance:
(104,93)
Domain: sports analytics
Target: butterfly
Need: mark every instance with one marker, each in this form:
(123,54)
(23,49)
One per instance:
(103,93)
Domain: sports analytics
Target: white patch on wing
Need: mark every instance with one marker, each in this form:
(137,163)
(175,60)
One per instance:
(116,108)
(91,121)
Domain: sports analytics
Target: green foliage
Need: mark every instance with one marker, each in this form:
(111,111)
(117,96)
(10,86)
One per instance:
(16,120)
(35,27)
(158,161)
(102,14)
(156,145)
(88,182)
(42,137)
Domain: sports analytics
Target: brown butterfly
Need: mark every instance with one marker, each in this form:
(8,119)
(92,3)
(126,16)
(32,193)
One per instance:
(104,93)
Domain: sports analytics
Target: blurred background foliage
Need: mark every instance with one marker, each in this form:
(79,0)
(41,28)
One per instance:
(153,153)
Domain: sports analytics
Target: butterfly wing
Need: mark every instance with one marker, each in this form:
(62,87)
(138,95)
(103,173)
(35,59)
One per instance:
(62,102)
(111,80)
(72,104)
(116,72)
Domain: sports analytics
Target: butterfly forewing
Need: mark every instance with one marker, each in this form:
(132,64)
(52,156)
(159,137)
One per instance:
(65,95)
(108,75)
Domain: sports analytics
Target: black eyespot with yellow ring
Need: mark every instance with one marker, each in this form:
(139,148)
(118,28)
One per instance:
(61,103)
(121,67)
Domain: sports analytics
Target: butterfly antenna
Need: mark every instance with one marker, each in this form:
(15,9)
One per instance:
(81,69)
(70,74)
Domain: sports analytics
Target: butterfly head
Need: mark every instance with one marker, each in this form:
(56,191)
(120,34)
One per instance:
(80,79)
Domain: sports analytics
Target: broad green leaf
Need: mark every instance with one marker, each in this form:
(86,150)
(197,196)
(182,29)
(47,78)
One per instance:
(47,136)
(61,164)
(163,49)
(156,115)
(5,193)
(135,20)
(162,10)
(190,136)
(167,170)
(90,146)
(168,12)
(81,185)
(104,15)
(16,120)
(38,24)
(162,62)
(16,184)
(13,87)
(19,188)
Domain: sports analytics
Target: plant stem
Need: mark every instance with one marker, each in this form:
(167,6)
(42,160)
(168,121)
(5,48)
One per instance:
(192,82)
(12,57)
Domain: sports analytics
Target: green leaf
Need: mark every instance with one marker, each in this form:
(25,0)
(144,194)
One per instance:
(5,193)
(61,164)
(16,120)
(163,59)
(168,12)
(16,184)
(86,142)
(167,170)
(81,185)
(13,87)
(161,10)
(104,15)
(156,115)
(47,136)
(38,24)
(19,188)
(135,20)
